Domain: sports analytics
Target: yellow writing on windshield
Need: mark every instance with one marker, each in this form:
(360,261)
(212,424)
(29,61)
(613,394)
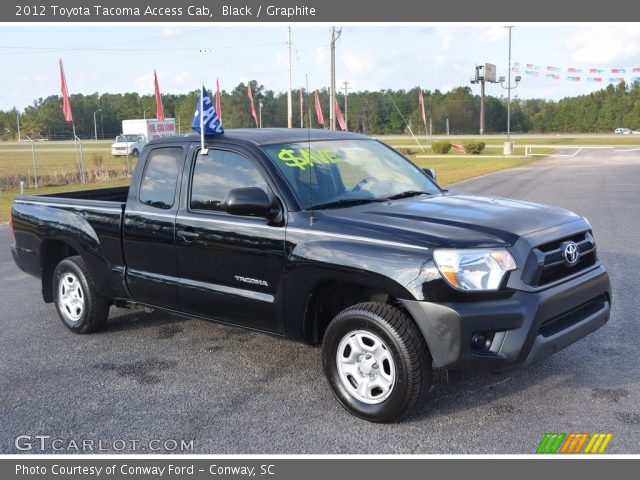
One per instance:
(305,158)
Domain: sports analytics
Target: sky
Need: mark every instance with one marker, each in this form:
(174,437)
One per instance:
(117,59)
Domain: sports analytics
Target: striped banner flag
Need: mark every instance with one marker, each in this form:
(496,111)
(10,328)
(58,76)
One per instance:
(253,106)
(218,105)
(319,114)
(339,117)
(159,108)
(421,103)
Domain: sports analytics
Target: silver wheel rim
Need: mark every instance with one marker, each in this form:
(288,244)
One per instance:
(366,367)
(70,297)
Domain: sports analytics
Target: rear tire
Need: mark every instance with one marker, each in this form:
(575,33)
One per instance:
(80,307)
(376,361)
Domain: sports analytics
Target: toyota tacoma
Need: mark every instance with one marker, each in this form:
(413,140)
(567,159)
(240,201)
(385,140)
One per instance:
(327,238)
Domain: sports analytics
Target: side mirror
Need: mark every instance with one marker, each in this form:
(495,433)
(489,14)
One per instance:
(430,172)
(249,201)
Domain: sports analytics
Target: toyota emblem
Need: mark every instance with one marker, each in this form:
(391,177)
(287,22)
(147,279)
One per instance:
(571,254)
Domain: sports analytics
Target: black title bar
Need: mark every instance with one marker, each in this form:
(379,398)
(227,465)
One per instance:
(333,11)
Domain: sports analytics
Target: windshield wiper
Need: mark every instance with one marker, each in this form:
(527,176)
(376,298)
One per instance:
(346,202)
(407,194)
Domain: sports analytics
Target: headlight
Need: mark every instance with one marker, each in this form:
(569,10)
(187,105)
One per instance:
(473,269)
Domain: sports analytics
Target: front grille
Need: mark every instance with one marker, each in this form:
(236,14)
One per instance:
(567,319)
(546,263)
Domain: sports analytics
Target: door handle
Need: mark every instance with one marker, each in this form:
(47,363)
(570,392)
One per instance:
(187,235)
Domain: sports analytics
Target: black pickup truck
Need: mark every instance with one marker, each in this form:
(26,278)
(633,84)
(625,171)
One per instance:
(326,238)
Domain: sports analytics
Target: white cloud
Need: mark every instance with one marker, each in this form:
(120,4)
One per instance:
(282,59)
(604,44)
(493,34)
(183,78)
(170,31)
(446,36)
(144,82)
(322,57)
(358,63)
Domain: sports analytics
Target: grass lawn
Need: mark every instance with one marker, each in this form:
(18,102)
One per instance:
(105,144)
(56,161)
(452,169)
(521,140)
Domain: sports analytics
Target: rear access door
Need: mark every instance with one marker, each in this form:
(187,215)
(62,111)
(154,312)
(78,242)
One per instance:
(149,227)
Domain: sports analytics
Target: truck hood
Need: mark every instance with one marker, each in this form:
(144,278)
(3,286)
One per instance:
(452,219)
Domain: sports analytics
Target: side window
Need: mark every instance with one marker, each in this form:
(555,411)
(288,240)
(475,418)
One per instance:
(218,172)
(158,186)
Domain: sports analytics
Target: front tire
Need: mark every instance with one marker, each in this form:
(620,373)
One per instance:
(376,361)
(80,307)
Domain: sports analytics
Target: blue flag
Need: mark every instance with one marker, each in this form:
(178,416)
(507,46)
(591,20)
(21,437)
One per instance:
(210,120)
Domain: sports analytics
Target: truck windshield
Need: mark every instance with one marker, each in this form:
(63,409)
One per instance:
(127,138)
(338,173)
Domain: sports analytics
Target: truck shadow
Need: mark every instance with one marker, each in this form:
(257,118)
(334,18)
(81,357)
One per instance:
(589,372)
(122,320)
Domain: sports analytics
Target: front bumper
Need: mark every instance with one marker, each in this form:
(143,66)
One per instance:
(524,328)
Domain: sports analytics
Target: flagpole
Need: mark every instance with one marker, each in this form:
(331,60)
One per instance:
(203,150)
(77,143)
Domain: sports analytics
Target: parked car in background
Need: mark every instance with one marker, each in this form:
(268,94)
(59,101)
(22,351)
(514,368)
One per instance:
(624,131)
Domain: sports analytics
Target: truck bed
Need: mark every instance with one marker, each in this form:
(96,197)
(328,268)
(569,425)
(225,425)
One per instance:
(89,221)
(116,194)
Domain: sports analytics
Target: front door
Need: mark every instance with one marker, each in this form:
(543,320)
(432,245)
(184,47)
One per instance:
(230,267)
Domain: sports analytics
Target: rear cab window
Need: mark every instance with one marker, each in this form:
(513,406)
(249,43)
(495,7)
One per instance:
(160,176)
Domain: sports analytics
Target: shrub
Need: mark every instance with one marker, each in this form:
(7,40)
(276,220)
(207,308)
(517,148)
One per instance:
(441,147)
(98,160)
(406,151)
(474,148)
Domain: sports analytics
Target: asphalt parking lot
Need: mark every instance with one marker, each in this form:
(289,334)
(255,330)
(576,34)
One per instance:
(153,376)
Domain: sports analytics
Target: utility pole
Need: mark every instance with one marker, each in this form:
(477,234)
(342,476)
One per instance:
(332,86)
(302,94)
(482,107)
(508,146)
(18,119)
(489,75)
(509,90)
(289,107)
(332,89)
(346,108)
(95,125)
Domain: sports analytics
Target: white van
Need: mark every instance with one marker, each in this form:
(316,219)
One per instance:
(136,133)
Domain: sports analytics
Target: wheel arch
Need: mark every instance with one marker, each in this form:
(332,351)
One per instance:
(52,252)
(329,297)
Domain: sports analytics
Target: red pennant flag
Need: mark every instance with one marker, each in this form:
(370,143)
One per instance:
(218,106)
(339,117)
(253,107)
(159,109)
(66,106)
(319,109)
(421,102)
